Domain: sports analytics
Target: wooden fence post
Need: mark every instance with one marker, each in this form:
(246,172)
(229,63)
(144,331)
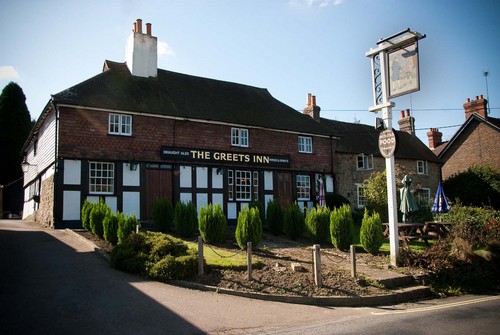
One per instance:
(353,261)
(249,261)
(317,265)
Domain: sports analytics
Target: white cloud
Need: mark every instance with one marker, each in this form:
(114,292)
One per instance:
(8,72)
(164,49)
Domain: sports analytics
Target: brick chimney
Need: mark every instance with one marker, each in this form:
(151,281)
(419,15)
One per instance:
(478,106)
(141,54)
(435,138)
(407,123)
(311,109)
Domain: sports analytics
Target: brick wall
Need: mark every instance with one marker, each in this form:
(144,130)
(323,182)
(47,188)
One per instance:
(477,145)
(84,135)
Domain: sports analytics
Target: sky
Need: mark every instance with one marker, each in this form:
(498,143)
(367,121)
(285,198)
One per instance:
(290,47)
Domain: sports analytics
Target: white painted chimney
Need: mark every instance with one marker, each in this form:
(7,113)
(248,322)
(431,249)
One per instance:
(141,53)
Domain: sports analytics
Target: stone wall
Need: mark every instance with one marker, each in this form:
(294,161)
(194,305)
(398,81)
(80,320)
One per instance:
(45,213)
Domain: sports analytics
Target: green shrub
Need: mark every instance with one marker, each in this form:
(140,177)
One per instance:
(342,227)
(110,226)
(163,214)
(97,215)
(371,235)
(422,214)
(275,217)
(185,219)
(126,225)
(212,224)
(257,204)
(174,268)
(294,221)
(473,224)
(318,224)
(86,209)
(157,255)
(249,227)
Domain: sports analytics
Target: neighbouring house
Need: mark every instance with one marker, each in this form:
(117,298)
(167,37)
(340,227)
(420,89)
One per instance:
(357,156)
(475,142)
(134,133)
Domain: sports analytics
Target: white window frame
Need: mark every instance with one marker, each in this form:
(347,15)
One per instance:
(305,144)
(255,185)
(230,185)
(360,196)
(101,178)
(366,162)
(120,124)
(239,137)
(303,183)
(243,185)
(422,167)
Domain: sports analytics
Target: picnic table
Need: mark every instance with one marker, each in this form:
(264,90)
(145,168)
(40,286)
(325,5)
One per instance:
(423,231)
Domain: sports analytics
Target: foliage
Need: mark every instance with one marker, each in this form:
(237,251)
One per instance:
(15,127)
(371,236)
(126,225)
(482,187)
(422,214)
(110,227)
(336,200)
(163,214)
(212,223)
(257,204)
(473,224)
(275,218)
(185,219)
(342,227)
(97,215)
(376,191)
(157,255)
(249,227)
(86,209)
(317,223)
(294,221)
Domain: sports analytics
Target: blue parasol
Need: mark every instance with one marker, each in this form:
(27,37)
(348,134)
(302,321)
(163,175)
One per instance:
(440,204)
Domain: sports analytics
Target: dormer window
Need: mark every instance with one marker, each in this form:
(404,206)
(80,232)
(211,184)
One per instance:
(364,162)
(305,144)
(120,124)
(239,137)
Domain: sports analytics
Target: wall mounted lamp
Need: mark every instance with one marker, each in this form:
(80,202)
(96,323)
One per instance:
(25,165)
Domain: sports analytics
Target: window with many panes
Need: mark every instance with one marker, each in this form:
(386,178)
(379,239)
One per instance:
(255,185)
(423,196)
(101,178)
(422,167)
(239,137)
(360,190)
(120,124)
(364,162)
(230,185)
(305,144)
(243,185)
(303,187)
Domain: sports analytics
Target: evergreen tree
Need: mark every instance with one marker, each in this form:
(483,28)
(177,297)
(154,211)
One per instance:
(15,127)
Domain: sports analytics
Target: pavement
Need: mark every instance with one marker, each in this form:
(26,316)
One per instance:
(404,288)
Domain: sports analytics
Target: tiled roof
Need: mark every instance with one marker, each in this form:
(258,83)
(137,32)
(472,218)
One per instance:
(185,96)
(358,138)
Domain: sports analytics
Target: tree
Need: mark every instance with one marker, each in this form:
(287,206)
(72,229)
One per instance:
(478,186)
(15,127)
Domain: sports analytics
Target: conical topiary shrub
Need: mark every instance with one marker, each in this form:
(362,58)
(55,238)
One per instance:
(249,227)
(371,235)
(342,227)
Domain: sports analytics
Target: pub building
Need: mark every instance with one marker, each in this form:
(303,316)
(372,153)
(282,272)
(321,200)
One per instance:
(134,133)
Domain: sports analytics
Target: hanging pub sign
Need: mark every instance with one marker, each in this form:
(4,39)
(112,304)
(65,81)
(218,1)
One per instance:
(404,76)
(387,143)
(220,157)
